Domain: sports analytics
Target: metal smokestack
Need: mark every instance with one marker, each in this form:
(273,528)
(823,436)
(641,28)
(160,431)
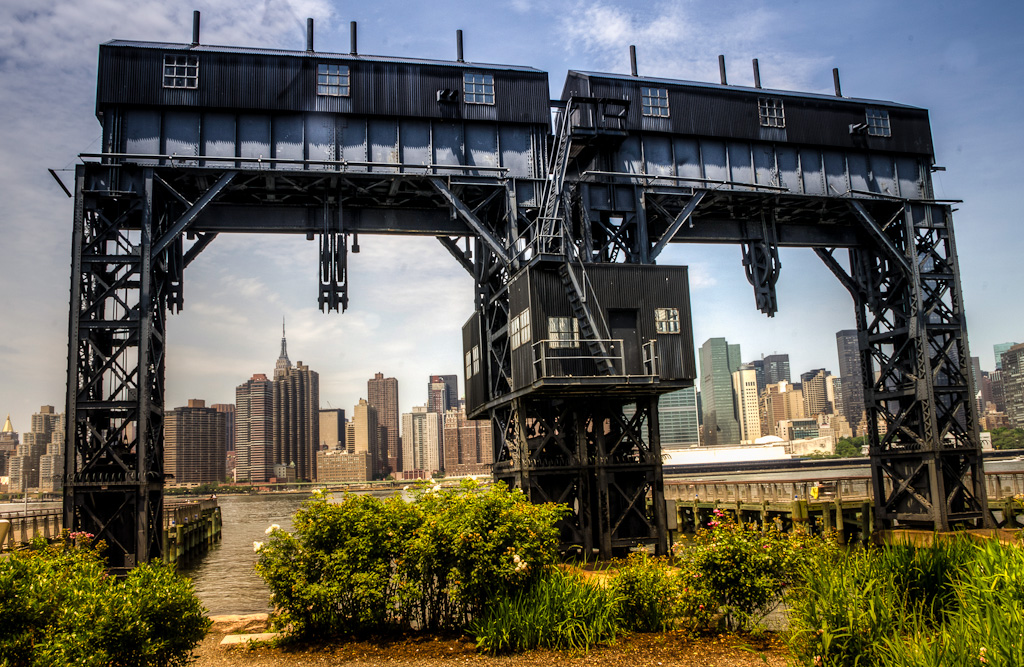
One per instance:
(195,28)
(835,80)
(757,75)
(458,45)
(309,35)
(352,38)
(721,70)
(632,60)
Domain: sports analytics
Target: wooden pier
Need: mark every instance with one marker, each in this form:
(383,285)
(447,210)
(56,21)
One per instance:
(190,527)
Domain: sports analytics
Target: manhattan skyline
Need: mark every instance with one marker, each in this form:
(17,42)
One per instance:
(409,299)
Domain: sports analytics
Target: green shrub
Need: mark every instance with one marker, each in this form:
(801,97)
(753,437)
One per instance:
(647,593)
(363,565)
(59,607)
(558,610)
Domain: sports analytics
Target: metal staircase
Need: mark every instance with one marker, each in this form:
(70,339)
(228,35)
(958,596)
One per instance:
(596,341)
(551,213)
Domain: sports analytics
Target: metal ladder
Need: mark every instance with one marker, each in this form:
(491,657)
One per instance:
(589,332)
(551,214)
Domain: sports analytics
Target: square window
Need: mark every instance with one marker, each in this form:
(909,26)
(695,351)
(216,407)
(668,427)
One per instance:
(476,359)
(771,112)
(878,123)
(563,332)
(666,320)
(181,71)
(332,80)
(479,88)
(654,101)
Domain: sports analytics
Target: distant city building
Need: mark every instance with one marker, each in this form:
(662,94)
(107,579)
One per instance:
(422,434)
(338,465)
(332,431)
(998,395)
(780,402)
(467,444)
(816,387)
(382,395)
(718,361)
(38,460)
(776,369)
(8,445)
(442,401)
(999,349)
(851,373)
(296,416)
(1013,385)
(744,383)
(195,444)
(979,401)
(798,429)
(366,437)
(254,430)
(229,411)
(679,419)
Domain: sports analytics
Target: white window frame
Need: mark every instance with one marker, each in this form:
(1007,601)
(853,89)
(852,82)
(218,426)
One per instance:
(476,359)
(771,112)
(654,102)
(878,122)
(563,333)
(519,329)
(332,80)
(478,88)
(666,320)
(469,364)
(181,71)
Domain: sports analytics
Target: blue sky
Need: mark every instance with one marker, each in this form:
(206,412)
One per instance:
(962,61)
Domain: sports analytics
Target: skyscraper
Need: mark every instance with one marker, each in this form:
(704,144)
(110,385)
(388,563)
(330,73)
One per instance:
(780,402)
(744,386)
(678,419)
(718,361)
(382,395)
(297,419)
(776,369)
(195,442)
(1013,385)
(422,434)
(815,385)
(467,444)
(445,397)
(332,429)
(366,434)
(254,431)
(851,374)
(998,349)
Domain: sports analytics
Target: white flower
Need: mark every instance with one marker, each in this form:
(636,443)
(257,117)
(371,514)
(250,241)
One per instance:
(405,488)
(256,546)
(516,559)
(272,528)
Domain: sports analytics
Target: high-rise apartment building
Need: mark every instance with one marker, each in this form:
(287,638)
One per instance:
(382,395)
(999,349)
(851,373)
(254,430)
(195,443)
(228,409)
(422,434)
(718,361)
(38,460)
(467,444)
(780,402)
(8,445)
(332,430)
(297,420)
(744,387)
(1013,385)
(678,419)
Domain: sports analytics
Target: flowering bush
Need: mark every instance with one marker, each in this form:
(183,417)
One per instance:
(647,593)
(59,607)
(364,564)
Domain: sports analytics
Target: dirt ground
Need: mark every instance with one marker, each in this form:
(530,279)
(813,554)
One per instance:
(640,650)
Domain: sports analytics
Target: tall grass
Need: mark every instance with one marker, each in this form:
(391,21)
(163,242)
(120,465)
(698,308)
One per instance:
(559,610)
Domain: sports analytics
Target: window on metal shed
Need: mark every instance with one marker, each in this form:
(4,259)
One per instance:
(479,88)
(332,80)
(666,320)
(181,71)
(770,112)
(563,332)
(878,123)
(654,101)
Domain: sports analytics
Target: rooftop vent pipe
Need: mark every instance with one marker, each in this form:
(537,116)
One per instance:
(309,35)
(352,38)
(835,80)
(458,45)
(757,75)
(632,60)
(721,69)
(195,28)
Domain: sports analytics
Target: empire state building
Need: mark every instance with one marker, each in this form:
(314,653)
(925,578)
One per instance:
(296,417)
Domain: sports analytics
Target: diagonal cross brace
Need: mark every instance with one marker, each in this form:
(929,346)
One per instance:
(474,222)
(878,235)
(673,228)
(191,214)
